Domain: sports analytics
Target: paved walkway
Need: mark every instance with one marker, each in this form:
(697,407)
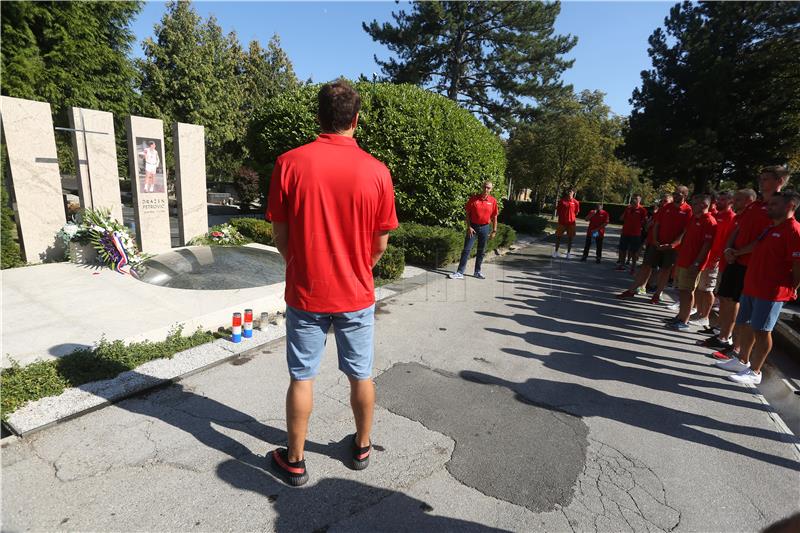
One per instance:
(531,401)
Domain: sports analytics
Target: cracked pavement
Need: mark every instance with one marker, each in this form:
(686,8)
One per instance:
(531,401)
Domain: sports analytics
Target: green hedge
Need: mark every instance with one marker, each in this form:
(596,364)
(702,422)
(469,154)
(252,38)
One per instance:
(438,153)
(391,265)
(435,246)
(528,224)
(256,230)
(10,254)
(614,210)
(50,378)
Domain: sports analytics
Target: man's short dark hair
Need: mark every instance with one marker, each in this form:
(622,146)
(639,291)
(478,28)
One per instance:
(779,172)
(790,196)
(339,103)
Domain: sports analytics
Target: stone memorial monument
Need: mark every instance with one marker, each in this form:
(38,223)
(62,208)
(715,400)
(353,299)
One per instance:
(96,152)
(35,178)
(149,183)
(190,180)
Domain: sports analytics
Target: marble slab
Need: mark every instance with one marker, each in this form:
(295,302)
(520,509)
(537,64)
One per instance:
(96,155)
(190,180)
(148,170)
(35,177)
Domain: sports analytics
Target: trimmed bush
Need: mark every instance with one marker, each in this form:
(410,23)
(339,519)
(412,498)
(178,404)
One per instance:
(248,186)
(391,265)
(528,224)
(615,211)
(438,153)
(10,254)
(256,230)
(506,236)
(50,378)
(428,246)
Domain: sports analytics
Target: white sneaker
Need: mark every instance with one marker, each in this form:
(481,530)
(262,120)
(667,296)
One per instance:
(747,377)
(456,275)
(674,307)
(555,255)
(734,364)
(567,255)
(697,321)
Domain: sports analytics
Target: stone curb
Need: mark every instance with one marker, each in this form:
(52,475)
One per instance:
(77,401)
(790,337)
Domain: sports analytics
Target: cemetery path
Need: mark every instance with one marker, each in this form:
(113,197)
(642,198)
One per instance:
(531,401)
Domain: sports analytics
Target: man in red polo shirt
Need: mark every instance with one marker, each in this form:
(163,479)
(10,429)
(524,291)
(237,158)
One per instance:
(598,220)
(331,206)
(772,278)
(693,257)
(670,224)
(481,223)
(749,226)
(633,221)
(704,294)
(567,210)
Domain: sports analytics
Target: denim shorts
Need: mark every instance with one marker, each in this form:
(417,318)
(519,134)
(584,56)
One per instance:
(761,315)
(307,333)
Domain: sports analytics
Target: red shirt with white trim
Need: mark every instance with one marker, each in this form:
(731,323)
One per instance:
(724,227)
(751,224)
(700,231)
(769,274)
(672,220)
(334,197)
(567,211)
(597,221)
(633,220)
(481,211)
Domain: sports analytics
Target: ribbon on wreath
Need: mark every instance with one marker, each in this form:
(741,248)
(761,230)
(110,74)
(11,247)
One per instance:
(118,254)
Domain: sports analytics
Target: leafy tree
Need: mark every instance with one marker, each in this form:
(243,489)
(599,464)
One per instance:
(190,73)
(572,143)
(437,152)
(10,254)
(71,54)
(723,95)
(491,57)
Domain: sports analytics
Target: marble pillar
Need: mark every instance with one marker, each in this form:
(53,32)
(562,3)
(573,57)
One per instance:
(190,180)
(96,155)
(35,177)
(148,167)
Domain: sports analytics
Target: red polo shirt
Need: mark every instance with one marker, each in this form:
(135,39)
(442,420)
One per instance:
(701,230)
(751,224)
(724,225)
(334,197)
(567,211)
(672,220)
(633,220)
(769,274)
(597,220)
(481,211)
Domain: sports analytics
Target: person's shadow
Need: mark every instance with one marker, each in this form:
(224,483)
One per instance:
(342,504)
(315,507)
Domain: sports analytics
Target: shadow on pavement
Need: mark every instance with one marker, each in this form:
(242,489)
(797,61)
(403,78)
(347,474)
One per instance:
(336,503)
(567,306)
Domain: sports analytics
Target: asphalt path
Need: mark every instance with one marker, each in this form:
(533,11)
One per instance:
(530,401)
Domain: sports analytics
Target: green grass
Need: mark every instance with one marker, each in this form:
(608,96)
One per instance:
(49,378)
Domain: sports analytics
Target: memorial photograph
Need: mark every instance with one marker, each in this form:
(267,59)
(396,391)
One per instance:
(150,165)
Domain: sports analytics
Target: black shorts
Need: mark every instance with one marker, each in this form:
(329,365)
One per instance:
(629,243)
(656,258)
(732,282)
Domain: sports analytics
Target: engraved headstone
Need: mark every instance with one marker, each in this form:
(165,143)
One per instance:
(149,183)
(96,152)
(190,180)
(35,177)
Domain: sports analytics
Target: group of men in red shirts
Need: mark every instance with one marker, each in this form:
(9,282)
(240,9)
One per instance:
(744,249)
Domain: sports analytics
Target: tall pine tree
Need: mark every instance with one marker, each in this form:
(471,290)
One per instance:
(494,58)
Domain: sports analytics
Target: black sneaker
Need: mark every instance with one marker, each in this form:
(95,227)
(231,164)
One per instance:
(293,473)
(360,455)
(714,342)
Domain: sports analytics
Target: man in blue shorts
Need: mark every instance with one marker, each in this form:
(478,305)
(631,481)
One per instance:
(332,206)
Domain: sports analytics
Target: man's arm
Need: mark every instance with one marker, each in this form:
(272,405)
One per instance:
(703,253)
(677,241)
(796,275)
(469,226)
(380,240)
(280,234)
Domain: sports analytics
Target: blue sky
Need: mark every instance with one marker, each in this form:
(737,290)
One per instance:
(325,40)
